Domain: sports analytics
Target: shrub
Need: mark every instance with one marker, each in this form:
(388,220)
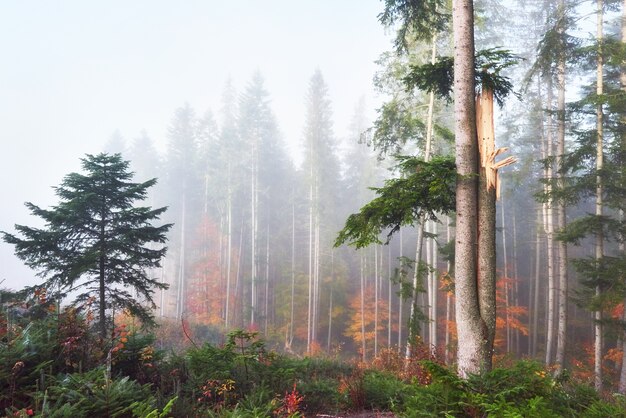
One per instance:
(382,390)
(320,395)
(93,394)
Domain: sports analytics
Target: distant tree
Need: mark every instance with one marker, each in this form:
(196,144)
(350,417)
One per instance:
(95,241)
(116,143)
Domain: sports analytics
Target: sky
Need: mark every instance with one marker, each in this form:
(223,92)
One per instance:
(74,72)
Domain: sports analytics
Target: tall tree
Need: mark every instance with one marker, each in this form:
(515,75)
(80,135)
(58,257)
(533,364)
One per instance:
(95,240)
(183,188)
(322,172)
(474,354)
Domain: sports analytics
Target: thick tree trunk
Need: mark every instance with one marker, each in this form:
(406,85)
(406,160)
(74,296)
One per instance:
(472,330)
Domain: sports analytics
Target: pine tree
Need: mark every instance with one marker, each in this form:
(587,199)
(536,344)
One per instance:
(95,240)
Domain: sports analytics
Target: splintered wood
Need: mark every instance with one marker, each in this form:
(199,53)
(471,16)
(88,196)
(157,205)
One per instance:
(486,141)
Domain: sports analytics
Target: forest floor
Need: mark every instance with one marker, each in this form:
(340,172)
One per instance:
(362,414)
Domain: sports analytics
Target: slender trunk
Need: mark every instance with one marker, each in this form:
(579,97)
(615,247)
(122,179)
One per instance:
(400,298)
(549,229)
(413,321)
(180,297)
(316,277)
(293,268)
(310,288)
(267,278)
(362,307)
(534,312)
(238,287)
(448,298)
(413,316)
(375,300)
(622,246)
(253,233)
(330,304)
(562,246)
(102,294)
(429,284)
(505,274)
(389,300)
(435,279)
(229,254)
(516,302)
(599,191)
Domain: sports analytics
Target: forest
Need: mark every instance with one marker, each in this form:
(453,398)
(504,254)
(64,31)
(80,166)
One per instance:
(462,254)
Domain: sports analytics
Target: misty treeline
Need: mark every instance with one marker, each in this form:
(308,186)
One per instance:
(252,244)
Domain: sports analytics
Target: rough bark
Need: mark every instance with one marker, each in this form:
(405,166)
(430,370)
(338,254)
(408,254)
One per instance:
(472,330)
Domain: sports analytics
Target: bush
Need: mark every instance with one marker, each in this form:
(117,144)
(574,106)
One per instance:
(382,390)
(320,395)
(92,394)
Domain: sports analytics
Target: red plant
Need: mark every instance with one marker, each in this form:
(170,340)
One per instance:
(290,404)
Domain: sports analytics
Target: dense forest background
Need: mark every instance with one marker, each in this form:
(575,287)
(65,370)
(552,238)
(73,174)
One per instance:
(252,244)
(253,241)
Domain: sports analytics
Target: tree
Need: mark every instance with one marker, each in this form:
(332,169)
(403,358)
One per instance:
(322,172)
(95,241)
(472,329)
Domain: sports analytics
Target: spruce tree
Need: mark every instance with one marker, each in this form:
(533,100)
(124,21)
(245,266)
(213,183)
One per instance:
(95,242)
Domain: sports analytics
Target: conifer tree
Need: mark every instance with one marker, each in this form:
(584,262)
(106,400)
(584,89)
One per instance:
(95,241)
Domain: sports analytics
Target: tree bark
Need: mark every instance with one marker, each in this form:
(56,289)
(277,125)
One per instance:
(473,354)
(599,255)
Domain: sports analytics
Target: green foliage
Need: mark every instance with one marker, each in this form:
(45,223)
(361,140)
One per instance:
(320,396)
(599,409)
(427,188)
(489,68)
(145,409)
(92,394)
(419,19)
(523,390)
(396,125)
(382,390)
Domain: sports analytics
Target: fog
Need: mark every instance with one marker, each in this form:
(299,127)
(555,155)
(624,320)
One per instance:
(74,72)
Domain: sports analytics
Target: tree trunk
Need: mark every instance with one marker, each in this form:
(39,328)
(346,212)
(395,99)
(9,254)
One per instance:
(549,229)
(622,246)
(487,187)
(413,321)
(505,274)
(472,330)
(363,306)
(435,281)
(229,255)
(375,300)
(562,246)
(599,190)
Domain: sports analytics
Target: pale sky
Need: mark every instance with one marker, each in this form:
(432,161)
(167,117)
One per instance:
(75,71)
